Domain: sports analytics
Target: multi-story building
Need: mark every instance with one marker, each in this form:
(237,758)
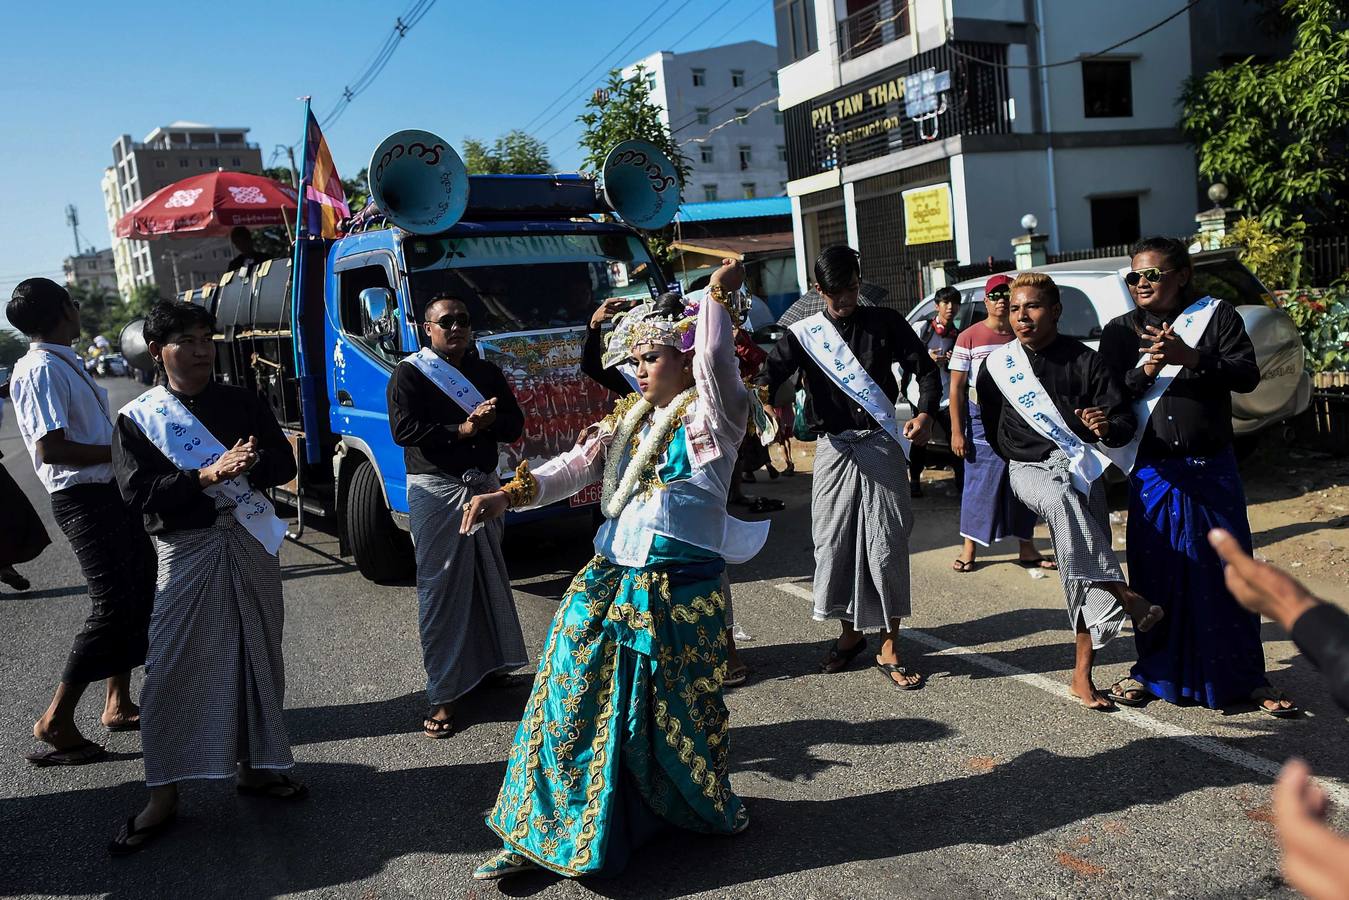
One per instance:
(923,130)
(168,154)
(91,268)
(720,106)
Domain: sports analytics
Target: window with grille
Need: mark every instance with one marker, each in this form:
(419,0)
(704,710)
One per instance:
(709,192)
(737,78)
(782,153)
(699,77)
(746,157)
(705,154)
(741,115)
(704,115)
(747,190)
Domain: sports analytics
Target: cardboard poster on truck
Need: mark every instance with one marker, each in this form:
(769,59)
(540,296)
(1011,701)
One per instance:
(559,402)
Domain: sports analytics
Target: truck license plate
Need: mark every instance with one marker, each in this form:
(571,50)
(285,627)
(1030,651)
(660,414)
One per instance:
(587,495)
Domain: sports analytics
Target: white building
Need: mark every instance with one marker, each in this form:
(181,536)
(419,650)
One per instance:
(734,87)
(1090,147)
(93,268)
(168,154)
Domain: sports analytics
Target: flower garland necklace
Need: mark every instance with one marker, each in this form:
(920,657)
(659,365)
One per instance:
(618,493)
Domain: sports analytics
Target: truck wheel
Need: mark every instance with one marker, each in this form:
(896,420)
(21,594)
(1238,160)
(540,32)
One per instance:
(383,552)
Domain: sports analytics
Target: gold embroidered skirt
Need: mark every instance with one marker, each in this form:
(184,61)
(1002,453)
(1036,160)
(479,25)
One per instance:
(625,728)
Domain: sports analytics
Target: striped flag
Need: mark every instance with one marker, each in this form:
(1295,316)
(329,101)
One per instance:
(325,203)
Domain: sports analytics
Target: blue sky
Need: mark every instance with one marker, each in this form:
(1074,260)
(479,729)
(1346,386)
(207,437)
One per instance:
(80,74)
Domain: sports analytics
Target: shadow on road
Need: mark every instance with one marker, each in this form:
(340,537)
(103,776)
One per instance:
(357,819)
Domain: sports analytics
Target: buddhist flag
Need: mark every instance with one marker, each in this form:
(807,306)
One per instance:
(324,202)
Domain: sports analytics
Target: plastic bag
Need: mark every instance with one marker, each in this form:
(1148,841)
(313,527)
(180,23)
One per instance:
(799,429)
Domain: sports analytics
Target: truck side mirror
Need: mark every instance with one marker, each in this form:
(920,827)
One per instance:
(379,316)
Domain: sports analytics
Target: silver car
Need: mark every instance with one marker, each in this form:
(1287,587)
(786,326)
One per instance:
(1093,292)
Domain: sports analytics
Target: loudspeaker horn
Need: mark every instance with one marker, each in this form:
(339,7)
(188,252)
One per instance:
(134,348)
(418,181)
(641,184)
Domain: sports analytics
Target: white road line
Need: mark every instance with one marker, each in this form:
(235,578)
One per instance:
(1138,719)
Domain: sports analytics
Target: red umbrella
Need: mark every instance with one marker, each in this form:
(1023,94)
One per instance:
(208,206)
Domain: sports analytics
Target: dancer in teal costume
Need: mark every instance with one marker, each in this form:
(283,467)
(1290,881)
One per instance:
(625,730)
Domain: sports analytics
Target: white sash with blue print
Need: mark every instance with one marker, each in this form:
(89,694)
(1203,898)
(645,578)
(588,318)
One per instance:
(821,340)
(1190,326)
(1011,371)
(187,444)
(447,378)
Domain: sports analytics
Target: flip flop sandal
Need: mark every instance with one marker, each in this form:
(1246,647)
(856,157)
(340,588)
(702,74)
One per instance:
(890,670)
(964,565)
(843,658)
(442,728)
(133,725)
(78,755)
(1119,693)
(282,788)
(1259,695)
(736,677)
(122,846)
(1041,563)
(766,505)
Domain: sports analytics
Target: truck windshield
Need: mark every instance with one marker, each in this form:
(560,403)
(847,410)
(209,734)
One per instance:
(524,282)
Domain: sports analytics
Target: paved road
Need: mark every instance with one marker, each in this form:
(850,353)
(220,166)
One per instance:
(988,783)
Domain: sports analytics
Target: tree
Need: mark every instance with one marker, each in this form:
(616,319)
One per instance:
(357,190)
(12,346)
(514,153)
(1277,133)
(622,111)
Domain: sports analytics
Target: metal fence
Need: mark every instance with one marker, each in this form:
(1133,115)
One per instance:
(872,27)
(1324,259)
(1089,253)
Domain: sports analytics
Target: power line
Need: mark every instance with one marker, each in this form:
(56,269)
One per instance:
(1077,59)
(591,70)
(952,48)
(674,44)
(402,25)
(621,55)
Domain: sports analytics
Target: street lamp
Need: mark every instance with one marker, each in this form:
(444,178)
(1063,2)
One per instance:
(1217,192)
(1028,222)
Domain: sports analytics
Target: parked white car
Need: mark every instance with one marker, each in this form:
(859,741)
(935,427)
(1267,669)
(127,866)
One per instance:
(1093,292)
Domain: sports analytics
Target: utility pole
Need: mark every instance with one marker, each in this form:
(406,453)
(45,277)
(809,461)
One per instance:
(73,220)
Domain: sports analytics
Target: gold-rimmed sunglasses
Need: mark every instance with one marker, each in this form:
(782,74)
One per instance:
(1151,273)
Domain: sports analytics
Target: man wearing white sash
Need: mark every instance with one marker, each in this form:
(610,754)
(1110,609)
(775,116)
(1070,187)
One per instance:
(448,410)
(861,517)
(1183,483)
(1047,403)
(193,459)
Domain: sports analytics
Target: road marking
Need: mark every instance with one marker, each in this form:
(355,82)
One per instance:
(1138,719)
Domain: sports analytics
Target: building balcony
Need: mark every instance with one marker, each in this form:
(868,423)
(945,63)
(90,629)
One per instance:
(872,27)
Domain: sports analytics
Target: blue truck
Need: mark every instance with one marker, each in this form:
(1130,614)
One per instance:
(318,334)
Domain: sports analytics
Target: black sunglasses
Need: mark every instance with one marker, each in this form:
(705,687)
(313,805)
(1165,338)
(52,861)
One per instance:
(449,321)
(999,293)
(1151,273)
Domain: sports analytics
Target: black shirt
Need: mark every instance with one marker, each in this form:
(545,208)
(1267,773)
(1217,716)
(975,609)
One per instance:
(1076,378)
(878,337)
(1194,416)
(592,364)
(171,499)
(1322,633)
(425,421)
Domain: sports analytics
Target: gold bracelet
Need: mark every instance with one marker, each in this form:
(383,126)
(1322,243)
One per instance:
(523,489)
(718,293)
